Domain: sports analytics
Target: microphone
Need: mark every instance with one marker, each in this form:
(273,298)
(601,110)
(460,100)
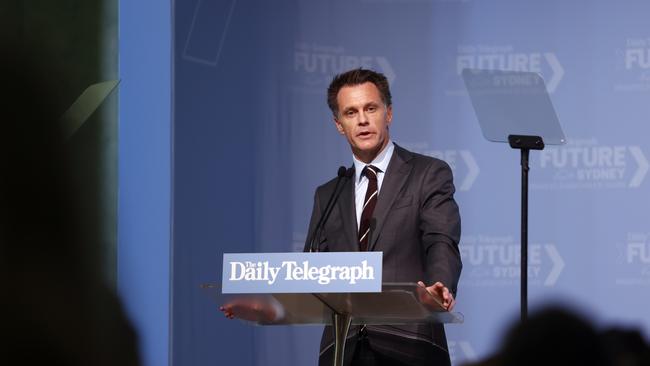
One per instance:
(342,173)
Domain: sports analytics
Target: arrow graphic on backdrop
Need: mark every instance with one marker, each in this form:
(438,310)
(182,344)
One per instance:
(558,265)
(465,348)
(558,71)
(642,162)
(472,170)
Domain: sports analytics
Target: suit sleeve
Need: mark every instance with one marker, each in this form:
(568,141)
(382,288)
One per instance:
(315,217)
(440,226)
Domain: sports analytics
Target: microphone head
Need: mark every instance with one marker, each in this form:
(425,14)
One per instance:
(349,173)
(342,172)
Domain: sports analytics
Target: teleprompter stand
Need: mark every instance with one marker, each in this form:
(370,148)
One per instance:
(524,144)
(398,303)
(514,106)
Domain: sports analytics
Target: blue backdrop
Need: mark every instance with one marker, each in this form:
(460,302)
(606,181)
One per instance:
(253,137)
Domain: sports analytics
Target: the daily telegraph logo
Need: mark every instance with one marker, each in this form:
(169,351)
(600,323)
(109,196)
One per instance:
(461,162)
(317,64)
(633,66)
(507,58)
(302,272)
(496,261)
(586,163)
(633,260)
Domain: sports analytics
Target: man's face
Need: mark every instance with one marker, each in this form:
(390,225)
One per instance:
(363,119)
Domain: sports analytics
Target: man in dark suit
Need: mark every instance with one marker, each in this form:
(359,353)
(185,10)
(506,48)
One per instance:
(397,202)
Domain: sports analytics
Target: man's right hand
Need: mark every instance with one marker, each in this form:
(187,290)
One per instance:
(255,309)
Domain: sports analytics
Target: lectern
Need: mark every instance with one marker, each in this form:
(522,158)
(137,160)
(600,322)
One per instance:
(397,303)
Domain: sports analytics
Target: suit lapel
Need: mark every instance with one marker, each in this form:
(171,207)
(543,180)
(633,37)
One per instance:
(396,175)
(348,215)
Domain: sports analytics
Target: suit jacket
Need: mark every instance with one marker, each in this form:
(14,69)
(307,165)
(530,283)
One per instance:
(417,228)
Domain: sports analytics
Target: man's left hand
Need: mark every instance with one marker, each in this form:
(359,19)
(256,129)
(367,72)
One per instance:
(441,294)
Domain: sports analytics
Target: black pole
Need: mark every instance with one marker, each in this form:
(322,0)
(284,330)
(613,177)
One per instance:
(524,233)
(525,144)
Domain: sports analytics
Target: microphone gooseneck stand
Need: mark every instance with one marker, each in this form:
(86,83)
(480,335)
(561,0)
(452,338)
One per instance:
(340,321)
(342,173)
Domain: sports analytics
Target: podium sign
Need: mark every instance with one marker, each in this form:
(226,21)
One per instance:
(324,272)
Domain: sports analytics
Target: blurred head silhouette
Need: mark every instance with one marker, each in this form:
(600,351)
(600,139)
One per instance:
(553,336)
(557,336)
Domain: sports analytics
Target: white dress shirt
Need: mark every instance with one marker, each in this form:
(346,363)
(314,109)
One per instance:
(361,182)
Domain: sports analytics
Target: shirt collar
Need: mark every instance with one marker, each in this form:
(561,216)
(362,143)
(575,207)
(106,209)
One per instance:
(380,161)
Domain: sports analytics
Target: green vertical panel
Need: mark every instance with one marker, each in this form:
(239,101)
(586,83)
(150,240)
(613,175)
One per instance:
(74,44)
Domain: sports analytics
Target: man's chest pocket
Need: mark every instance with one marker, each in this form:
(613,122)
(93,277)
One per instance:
(401,202)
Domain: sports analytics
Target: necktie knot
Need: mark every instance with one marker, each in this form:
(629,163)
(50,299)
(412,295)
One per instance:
(370,171)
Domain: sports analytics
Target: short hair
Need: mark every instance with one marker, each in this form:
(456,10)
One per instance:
(357,77)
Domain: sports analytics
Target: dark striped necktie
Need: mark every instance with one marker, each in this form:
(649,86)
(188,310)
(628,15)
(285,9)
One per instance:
(368,206)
